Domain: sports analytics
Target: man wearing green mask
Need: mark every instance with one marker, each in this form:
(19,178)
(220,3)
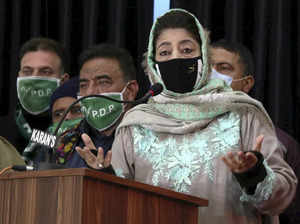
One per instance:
(104,70)
(60,101)
(42,69)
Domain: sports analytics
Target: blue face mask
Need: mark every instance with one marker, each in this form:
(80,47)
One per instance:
(216,75)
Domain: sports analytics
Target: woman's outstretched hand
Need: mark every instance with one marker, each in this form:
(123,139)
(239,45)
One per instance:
(239,162)
(96,162)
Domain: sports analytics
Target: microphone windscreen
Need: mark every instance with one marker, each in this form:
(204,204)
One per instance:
(156,89)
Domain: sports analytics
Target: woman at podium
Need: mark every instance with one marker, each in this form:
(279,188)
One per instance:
(199,137)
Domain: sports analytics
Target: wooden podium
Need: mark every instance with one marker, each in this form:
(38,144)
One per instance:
(84,196)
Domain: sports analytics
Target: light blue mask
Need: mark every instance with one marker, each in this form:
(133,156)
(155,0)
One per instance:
(217,75)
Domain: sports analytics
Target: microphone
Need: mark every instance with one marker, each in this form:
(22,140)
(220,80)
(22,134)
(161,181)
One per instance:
(49,140)
(23,168)
(154,90)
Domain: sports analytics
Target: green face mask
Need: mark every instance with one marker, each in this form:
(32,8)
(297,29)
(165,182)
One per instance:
(102,113)
(34,93)
(66,125)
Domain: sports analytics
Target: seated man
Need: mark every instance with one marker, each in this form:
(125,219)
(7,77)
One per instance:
(60,101)
(9,155)
(104,69)
(235,63)
(43,65)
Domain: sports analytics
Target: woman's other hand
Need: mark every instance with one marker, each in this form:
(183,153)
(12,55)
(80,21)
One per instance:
(240,162)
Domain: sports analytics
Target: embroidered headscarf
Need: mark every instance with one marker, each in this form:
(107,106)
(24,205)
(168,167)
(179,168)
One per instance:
(203,81)
(209,98)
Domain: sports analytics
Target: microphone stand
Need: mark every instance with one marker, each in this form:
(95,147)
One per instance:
(154,90)
(49,151)
(49,164)
(84,97)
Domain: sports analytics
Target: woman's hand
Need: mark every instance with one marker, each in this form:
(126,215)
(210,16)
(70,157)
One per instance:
(96,162)
(240,162)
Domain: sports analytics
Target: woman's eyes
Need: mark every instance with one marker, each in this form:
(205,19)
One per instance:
(164,53)
(183,51)
(187,50)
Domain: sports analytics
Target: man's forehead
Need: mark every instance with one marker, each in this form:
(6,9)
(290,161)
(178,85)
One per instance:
(100,66)
(40,59)
(99,69)
(63,102)
(223,54)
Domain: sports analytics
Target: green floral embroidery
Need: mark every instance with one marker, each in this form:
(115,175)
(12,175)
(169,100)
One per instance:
(119,173)
(188,112)
(221,130)
(179,159)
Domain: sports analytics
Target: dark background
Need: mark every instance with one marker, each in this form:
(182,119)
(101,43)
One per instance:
(269,28)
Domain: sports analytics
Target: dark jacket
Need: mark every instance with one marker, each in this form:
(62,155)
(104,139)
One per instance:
(65,150)
(291,215)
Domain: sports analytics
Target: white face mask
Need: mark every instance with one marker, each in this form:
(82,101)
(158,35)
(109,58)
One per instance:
(216,75)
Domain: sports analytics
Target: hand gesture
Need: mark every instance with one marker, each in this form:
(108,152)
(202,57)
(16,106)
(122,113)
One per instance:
(96,162)
(239,162)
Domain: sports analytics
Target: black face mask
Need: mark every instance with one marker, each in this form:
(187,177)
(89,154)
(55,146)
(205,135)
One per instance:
(179,75)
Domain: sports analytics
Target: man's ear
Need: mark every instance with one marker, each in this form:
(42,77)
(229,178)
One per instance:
(132,90)
(248,83)
(65,77)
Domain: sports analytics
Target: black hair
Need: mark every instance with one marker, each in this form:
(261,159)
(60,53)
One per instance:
(174,20)
(113,52)
(245,56)
(46,44)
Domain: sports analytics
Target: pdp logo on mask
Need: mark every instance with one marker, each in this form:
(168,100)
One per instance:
(102,113)
(34,93)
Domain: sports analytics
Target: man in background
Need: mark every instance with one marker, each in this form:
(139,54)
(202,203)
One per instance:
(234,62)
(108,70)
(43,64)
(61,99)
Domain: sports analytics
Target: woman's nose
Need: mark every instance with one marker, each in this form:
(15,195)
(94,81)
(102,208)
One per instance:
(175,54)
